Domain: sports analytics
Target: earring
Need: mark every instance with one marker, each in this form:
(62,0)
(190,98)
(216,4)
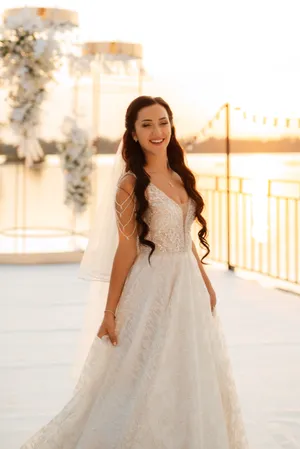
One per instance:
(135,139)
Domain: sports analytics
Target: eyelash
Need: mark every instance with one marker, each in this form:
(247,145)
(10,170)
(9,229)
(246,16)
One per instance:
(146,126)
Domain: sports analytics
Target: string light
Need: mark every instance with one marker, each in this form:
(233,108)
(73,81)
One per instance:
(264,120)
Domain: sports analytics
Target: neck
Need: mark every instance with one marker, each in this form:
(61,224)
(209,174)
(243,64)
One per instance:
(157,164)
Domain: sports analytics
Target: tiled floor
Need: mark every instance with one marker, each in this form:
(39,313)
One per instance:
(41,313)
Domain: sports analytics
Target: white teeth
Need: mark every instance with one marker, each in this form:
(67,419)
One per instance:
(156,141)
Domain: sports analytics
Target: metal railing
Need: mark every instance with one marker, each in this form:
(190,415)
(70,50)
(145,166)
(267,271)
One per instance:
(263,218)
(253,223)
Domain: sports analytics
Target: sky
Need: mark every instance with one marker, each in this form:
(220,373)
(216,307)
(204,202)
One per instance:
(200,54)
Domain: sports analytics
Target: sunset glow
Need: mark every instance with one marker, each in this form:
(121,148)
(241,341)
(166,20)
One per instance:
(206,54)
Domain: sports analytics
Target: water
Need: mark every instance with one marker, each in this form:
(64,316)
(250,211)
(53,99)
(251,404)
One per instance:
(283,166)
(32,200)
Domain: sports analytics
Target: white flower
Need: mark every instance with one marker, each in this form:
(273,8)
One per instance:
(39,47)
(67,125)
(76,162)
(22,71)
(28,68)
(18,114)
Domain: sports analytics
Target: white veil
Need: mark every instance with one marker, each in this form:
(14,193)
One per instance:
(96,264)
(98,257)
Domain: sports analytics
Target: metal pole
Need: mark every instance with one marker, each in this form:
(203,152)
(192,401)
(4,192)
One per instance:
(17,206)
(96,95)
(227,108)
(141,77)
(24,197)
(96,82)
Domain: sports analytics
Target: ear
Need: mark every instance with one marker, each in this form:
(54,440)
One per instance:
(134,136)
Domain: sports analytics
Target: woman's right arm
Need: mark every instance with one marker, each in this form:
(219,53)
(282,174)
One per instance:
(125,255)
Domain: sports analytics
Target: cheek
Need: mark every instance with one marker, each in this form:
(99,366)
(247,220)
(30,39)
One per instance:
(144,135)
(168,133)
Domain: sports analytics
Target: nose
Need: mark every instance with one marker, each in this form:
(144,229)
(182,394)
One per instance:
(156,132)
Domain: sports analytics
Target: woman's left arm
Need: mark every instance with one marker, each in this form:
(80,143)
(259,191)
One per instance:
(212,293)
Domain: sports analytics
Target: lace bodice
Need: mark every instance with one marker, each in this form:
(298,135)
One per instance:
(169,222)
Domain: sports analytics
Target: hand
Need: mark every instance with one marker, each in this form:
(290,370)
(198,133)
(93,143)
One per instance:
(213,299)
(108,327)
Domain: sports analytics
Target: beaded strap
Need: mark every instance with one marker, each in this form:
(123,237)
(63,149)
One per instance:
(122,207)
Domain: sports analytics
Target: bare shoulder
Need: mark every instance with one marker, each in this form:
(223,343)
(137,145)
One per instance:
(127,182)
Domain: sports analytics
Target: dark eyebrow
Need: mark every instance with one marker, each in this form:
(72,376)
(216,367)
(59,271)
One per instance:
(149,120)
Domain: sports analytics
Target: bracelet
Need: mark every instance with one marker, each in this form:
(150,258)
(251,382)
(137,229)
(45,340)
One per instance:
(107,310)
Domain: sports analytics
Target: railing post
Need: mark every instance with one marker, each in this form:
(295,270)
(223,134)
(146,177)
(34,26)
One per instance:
(227,109)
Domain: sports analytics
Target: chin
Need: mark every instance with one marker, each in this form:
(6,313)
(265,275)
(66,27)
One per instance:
(162,149)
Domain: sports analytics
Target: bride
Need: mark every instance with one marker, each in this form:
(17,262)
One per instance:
(157,375)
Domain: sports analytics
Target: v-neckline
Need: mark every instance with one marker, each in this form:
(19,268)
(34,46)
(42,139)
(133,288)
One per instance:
(166,195)
(171,199)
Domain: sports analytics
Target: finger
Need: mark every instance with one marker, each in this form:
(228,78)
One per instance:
(102,331)
(101,334)
(113,337)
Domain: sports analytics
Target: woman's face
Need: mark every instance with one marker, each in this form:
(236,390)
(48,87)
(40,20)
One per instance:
(153,129)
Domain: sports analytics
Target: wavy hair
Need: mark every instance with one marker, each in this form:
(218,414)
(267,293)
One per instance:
(135,161)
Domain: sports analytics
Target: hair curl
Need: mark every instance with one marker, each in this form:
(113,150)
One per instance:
(135,161)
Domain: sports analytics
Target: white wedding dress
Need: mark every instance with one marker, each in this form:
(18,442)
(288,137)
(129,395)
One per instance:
(168,383)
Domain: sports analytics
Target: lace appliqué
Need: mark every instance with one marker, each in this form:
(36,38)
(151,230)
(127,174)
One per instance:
(169,222)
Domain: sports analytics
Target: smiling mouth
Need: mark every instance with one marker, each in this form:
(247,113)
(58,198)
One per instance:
(157,141)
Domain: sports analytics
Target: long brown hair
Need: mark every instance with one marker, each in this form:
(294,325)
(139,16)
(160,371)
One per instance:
(135,161)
